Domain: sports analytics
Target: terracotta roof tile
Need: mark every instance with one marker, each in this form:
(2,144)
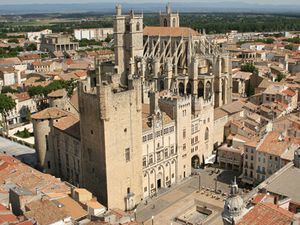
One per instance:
(49,113)
(267,214)
(170,31)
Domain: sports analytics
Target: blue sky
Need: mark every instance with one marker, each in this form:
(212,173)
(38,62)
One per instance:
(285,2)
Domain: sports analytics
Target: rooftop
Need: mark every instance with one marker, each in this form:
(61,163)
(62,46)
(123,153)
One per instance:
(170,31)
(267,214)
(45,212)
(274,143)
(279,184)
(49,113)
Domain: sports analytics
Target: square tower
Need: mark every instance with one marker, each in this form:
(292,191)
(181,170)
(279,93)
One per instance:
(169,19)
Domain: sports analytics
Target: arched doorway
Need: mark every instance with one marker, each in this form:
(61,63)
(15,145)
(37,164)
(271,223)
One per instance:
(159,181)
(200,89)
(195,162)
(181,88)
(189,88)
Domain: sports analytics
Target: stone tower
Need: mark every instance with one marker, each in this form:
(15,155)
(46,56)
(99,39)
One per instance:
(169,19)
(111,122)
(128,40)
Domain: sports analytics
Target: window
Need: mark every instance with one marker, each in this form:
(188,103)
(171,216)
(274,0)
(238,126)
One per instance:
(158,134)
(184,147)
(150,159)
(196,139)
(144,162)
(127,154)
(173,175)
(49,165)
(166,153)
(150,137)
(144,138)
(206,134)
(172,150)
(145,189)
(128,190)
(158,156)
(166,130)
(184,133)
(138,26)
(127,27)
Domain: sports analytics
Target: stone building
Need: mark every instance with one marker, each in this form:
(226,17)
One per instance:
(57,43)
(169,19)
(146,121)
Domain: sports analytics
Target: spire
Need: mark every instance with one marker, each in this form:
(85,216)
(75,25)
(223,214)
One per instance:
(234,188)
(168,8)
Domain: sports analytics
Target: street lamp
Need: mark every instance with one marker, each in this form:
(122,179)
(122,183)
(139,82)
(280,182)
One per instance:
(152,220)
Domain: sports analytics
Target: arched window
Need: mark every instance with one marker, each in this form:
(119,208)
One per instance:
(138,26)
(127,27)
(165,22)
(189,88)
(208,90)
(174,22)
(181,88)
(206,134)
(200,89)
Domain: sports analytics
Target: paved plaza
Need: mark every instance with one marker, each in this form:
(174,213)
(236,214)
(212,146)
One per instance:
(167,206)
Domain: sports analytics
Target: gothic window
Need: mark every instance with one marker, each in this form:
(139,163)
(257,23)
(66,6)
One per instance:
(165,22)
(127,27)
(206,134)
(200,89)
(189,88)
(144,162)
(181,88)
(138,26)
(174,22)
(208,90)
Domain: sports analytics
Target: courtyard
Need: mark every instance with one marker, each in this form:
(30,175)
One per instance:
(186,201)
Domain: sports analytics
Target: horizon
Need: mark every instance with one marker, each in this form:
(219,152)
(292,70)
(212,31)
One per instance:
(45,2)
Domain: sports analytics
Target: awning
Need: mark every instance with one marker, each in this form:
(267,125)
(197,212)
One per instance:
(210,160)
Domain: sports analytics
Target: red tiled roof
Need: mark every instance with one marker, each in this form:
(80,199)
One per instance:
(289,92)
(267,214)
(170,31)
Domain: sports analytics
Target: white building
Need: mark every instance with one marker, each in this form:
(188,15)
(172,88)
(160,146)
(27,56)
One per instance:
(95,33)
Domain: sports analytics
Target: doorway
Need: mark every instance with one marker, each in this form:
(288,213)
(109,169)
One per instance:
(158,183)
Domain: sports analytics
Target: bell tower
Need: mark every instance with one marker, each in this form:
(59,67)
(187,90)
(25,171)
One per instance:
(169,19)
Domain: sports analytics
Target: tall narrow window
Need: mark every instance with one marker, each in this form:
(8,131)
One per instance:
(138,26)
(206,134)
(127,154)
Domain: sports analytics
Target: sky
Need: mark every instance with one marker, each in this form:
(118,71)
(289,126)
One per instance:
(273,2)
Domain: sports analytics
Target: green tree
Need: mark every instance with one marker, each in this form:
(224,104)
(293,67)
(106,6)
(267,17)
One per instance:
(31,47)
(70,85)
(280,76)
(6,105)
(35,91)
(14,40)
(249,67)
(8,89)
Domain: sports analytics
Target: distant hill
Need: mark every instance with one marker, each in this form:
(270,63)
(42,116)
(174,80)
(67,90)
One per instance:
(222,6)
